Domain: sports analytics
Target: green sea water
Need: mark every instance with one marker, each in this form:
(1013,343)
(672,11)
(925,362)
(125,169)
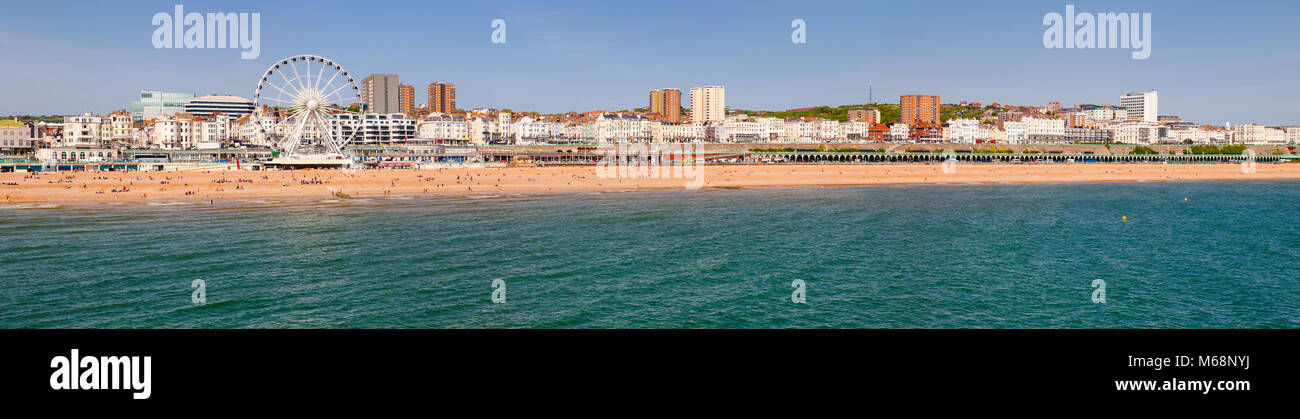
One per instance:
(1190,255)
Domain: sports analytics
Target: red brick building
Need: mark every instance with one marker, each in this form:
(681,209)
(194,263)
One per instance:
(865,114)
(406,100)
(919,108)
(442,97)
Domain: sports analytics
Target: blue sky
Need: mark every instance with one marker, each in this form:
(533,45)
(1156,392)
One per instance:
(1212,62)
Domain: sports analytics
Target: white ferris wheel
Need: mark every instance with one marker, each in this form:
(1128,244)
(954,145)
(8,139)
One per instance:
(301,107)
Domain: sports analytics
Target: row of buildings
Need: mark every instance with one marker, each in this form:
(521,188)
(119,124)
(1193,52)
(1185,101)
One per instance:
(176,121)
(487,126)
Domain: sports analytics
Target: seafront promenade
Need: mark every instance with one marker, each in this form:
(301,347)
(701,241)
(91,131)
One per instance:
(437,155)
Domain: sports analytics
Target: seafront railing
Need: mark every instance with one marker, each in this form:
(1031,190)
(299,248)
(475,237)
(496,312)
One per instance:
(923,157)
(753,157)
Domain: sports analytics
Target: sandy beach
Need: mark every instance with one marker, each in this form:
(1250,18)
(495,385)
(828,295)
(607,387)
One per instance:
(218,185)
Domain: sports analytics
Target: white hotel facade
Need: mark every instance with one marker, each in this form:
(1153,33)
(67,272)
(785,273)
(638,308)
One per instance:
(1035,131)
(965,131)
(187,132)
(1141,106)
(81,131)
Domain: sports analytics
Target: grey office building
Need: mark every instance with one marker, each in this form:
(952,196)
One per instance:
(379,93)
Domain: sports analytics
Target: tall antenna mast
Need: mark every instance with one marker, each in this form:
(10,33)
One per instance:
(870,99)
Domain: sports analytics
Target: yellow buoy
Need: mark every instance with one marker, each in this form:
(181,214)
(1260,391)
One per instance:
(1125,218)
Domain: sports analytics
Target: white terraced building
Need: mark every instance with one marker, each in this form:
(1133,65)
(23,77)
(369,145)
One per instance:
(574,132)
(172,132)
(856,130)
(964,130)
(213,132)
(680,133)
(373,128)
(828,130)
(1136,132)
(742,130)
(81,131)
(116,127)
(247,130)
(798,130)
(612,128)
(1249,134)
(899,131)
(1275,136)
(443,127)
(1088,135)
(528,130)
(1104,114)
(188,132)
(1198,135)
(1036,131)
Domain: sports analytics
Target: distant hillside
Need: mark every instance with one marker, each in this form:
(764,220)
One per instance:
(38,118)
(889,112)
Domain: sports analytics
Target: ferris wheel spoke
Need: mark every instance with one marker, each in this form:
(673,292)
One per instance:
(288,84)
(330,140)
(296,133)
(340,98)
(342,102)
(291,95)
(305,122)
(331,81)
(353,127)
(350,139)
(336,90)
(320,72)
(297,113)
(334,98)
(296,76)
(294,139)
(306,78)
(283,101)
